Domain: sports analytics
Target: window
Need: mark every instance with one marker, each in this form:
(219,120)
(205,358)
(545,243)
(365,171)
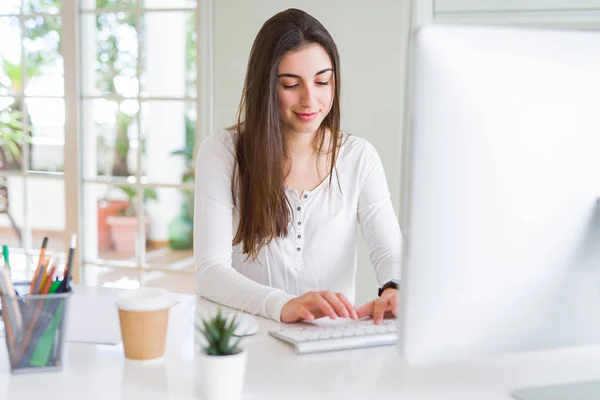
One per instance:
(32,131)
(135,127)
(139,110)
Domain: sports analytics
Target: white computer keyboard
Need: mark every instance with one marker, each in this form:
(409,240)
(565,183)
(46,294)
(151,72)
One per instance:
(351,335)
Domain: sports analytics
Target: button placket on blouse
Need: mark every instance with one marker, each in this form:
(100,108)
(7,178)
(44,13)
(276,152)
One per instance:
(299,208)
(299,235)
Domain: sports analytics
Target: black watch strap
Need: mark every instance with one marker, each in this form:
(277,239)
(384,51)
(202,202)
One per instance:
(391,284)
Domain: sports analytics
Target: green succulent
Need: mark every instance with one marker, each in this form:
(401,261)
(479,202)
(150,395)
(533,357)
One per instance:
(218,331)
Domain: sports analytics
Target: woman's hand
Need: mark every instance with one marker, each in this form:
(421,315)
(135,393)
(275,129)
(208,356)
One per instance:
(386,305)
(313,305)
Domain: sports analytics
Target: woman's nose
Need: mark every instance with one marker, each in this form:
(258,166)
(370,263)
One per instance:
(307,97)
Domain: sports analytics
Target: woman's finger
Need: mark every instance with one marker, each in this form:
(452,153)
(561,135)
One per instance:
(305,314)
(337,304)
(365,310)
(348,305)
(324,305)
(394,304)
(379,309)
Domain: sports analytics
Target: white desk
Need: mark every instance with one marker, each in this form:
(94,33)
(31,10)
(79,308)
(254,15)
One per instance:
(274,371)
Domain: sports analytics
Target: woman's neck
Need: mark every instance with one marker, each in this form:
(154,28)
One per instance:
(301,144)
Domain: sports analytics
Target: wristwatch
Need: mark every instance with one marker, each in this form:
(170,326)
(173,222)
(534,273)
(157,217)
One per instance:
(390,284)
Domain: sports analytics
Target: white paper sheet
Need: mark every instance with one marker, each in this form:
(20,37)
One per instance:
(90,319)
(93,319)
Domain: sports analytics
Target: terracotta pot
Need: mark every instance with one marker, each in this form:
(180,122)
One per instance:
(107,208)
(123,231)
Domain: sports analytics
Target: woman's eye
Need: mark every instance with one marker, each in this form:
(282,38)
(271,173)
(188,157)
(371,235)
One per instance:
(290,86)
(322,83)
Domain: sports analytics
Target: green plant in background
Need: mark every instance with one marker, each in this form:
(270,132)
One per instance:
(46,29)
(218,331)
(181,228)
(37,29)
(12,136)
(112,63)
(121,148)
(14,75)
(188,151)
(131,192)
(189,173)
(12,132)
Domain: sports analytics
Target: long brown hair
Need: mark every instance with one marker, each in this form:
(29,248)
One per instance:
(258,186)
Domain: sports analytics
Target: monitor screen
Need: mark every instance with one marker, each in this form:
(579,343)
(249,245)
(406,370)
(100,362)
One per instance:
(501,216)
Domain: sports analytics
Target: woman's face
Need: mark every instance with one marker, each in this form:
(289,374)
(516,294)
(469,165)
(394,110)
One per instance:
(305,89)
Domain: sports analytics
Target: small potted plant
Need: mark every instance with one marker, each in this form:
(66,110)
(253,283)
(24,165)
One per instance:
(108,207)
(123,225)
(221,362)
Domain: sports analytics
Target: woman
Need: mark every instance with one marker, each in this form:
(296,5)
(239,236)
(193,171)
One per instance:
(279,195)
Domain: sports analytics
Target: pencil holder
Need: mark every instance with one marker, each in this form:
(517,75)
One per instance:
(35,331)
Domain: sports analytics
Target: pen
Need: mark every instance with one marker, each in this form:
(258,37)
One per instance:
(65,286)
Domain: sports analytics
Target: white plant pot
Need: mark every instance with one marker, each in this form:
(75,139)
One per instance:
(220,377)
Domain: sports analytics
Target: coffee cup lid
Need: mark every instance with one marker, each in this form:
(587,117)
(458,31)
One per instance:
(145,299)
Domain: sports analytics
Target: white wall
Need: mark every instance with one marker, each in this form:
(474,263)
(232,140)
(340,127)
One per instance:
(369,36)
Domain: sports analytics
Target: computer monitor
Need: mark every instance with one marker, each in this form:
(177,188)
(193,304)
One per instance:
(502,179)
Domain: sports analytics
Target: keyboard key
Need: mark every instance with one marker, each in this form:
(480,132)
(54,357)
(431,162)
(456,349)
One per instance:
(337,334)
(313,335)
(295,335)
(326,334)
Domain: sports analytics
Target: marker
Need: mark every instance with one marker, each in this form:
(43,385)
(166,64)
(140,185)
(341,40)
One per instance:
(6,262)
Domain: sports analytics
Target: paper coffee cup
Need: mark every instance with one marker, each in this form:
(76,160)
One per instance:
(144,317)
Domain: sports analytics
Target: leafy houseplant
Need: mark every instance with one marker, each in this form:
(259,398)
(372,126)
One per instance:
(12,137)
(221,363)
(218,331)
(113,62)
(33,64)
(181,228)
(188,155)
(131,192)
(120,167)
(12,133)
